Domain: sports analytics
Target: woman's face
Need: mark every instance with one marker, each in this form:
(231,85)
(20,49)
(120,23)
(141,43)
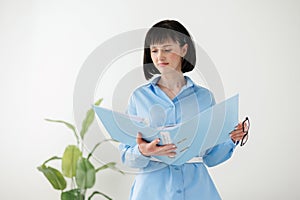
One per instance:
(167,56)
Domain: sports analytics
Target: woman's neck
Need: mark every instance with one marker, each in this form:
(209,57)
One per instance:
(173,81)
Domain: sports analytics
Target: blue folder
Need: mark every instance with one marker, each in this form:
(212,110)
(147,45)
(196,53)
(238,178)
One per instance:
(192,138)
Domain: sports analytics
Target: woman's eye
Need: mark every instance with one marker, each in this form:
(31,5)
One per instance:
(164,50)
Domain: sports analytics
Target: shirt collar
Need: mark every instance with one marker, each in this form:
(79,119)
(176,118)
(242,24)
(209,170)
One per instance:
(155,79)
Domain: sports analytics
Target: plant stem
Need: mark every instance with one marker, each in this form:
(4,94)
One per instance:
(97,192)
(72,183)
(98,144)
(52,158)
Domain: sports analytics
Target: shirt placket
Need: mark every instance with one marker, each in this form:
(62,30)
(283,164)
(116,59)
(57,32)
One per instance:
(170,106)
(177,182)
(173,109)
(176,171)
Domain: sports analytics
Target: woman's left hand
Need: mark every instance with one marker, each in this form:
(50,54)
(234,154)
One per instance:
(237,134)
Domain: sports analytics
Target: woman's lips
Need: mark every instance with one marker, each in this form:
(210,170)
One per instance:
(163,64)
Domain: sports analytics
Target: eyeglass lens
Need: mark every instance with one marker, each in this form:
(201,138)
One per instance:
(246,126)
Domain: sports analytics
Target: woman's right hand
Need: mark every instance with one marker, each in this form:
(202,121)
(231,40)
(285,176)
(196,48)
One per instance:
(152,149)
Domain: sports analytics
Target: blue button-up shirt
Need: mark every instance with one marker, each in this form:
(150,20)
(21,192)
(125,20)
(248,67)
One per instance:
(158,180)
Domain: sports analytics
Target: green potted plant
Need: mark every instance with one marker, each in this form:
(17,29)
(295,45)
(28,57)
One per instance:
(75,166)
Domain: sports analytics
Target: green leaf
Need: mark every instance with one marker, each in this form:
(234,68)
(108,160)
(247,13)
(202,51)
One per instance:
(72,195)
(97,192)
(54,177)
(69,160)
(97,103)
(111,165)
(85,174)
(89,118)
(72,127)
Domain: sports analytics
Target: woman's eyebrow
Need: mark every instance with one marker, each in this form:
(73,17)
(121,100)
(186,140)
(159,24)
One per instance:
(166,45)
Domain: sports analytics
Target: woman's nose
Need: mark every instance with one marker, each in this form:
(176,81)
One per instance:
(160,55)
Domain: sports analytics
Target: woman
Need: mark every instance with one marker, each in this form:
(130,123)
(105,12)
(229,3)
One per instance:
(171,98)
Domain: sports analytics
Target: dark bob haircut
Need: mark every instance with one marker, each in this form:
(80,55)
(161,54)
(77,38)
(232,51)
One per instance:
(161,32)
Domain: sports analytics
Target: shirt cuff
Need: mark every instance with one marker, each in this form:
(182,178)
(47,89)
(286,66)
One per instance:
(139,155)
(232,144)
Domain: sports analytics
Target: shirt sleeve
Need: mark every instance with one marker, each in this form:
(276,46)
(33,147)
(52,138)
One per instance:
(219,153)
(131,155)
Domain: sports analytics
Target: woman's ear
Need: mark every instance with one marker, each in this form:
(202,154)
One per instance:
(184,50)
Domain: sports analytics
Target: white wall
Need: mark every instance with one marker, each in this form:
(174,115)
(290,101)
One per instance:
(255,46)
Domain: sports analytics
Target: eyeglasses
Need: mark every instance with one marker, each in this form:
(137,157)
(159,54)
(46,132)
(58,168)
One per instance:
(246,126)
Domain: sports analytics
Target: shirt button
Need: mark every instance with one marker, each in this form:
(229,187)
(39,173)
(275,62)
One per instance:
(176,168)
(179,191)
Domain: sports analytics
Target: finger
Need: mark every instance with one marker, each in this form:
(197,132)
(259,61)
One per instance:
(237,132)
(240,128)
(166,148)
(239,125)
(170,154)
(237,135)
(171,150)
(139,139)
(155,142)
(236,138)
